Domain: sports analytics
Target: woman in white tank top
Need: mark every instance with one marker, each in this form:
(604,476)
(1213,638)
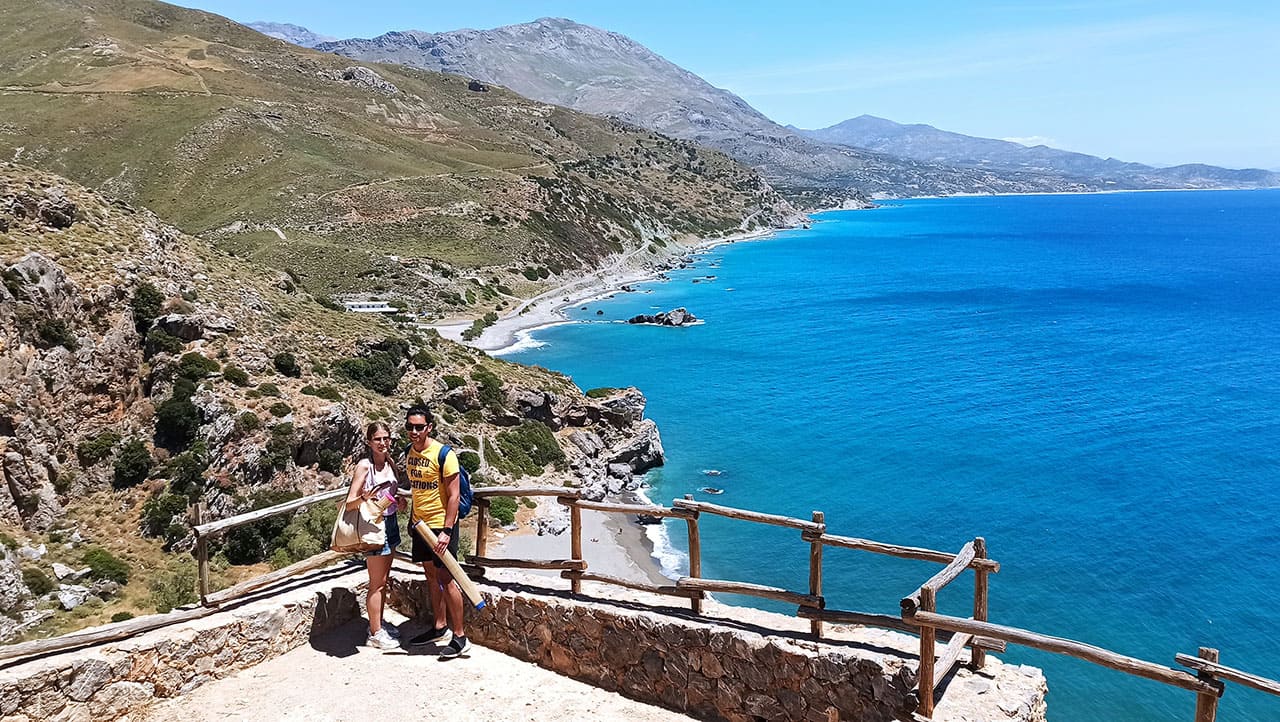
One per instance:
(375,477)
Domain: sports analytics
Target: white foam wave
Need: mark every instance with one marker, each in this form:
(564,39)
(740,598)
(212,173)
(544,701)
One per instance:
(673,562)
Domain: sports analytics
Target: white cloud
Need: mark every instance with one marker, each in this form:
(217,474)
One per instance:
(1033,140)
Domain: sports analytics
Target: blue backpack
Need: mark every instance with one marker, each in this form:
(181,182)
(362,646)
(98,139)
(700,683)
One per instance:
(464,482)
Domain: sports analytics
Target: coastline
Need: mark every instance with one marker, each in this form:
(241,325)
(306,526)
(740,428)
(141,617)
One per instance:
(612,544)
(513,331)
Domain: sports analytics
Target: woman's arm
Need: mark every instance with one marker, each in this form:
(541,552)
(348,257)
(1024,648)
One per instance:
(355,494)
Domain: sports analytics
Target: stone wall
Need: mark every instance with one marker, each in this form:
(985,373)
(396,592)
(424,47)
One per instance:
(108,682)
(717,669)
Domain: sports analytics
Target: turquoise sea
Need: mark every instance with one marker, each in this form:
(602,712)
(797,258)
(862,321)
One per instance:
(1090,382)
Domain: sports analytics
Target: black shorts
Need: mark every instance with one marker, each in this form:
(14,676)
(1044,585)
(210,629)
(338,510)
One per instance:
(422,551)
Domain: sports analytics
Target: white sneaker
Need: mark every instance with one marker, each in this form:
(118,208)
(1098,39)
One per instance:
(382,640)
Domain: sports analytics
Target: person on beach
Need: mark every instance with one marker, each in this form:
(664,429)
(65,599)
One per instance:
(375,478)
(435,502)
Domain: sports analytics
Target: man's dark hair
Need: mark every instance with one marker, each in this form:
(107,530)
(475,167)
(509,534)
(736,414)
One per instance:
(420,410)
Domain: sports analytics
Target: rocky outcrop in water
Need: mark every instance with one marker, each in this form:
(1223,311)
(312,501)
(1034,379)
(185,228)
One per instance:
(676,317)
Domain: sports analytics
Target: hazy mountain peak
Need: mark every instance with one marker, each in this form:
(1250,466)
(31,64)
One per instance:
(291,33)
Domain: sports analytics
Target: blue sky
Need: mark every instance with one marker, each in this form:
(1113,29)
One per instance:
(1154,82)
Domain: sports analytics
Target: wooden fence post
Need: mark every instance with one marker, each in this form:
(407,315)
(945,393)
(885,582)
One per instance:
(202,555)
(815,574)
(575,543)
(482,525)
(695,555)
(978,656)
(1207,704)
(928,603)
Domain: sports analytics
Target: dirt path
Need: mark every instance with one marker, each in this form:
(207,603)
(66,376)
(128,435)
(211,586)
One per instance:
(337,678)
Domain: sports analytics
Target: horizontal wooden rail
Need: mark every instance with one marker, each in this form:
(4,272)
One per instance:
(231,522)
(754,590)
(743,514)
(886,621)
(1230,674)
(107,633)
(491,562)
(1070,648)
(667,589)
(485,492)
(895,550)
(638,509)
(321,560)
(957,566)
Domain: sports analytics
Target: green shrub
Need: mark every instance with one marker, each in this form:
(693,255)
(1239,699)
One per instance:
(175,586)
(324,392)
(196,366)
(255,542)
(146,303)
(528,448)
(279,451)
(602,392)
(177,421)
(503,509)
(280,409)
(37,581)
(158,514)
(132,466)
(235,375)
(160,342)
(268,389)
(7,542)
(470,461)
(423,360)
(247,421)
(97,449)
(470,442)
(121,616)
(452,381)
(329,460)
(186,471)
(489,387)
(379,371)
(56,332)
(105,565)
(330,304)
(287,364)
(528,503)
(530,273)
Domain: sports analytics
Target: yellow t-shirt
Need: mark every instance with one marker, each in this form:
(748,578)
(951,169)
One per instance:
(424,478)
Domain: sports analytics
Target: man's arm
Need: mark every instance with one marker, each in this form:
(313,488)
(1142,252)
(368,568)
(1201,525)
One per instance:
(451,492)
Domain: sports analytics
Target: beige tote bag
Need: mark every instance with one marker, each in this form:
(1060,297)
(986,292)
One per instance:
(354,532)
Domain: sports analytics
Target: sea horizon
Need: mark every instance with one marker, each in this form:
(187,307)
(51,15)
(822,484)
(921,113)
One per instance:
(1064,375)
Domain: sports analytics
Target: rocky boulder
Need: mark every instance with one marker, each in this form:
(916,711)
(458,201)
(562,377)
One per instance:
(193,327)
(676,317)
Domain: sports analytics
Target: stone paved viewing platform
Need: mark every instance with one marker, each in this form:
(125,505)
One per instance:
(296,652)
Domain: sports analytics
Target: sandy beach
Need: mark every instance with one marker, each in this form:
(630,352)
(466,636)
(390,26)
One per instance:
(612,544)
(512,331)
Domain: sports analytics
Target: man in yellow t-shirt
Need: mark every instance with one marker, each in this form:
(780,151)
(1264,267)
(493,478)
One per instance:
(435,501)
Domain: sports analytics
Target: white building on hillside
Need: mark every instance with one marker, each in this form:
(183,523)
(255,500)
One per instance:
(369,307)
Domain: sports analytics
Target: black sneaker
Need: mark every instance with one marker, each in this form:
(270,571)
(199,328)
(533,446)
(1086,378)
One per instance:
(457,647)
(432,636)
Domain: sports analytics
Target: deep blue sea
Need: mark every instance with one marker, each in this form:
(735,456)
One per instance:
(1090,382)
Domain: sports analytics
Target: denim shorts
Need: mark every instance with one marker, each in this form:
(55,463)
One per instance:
(393,537)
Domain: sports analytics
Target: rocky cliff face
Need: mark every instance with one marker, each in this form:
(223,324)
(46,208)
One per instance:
(140,368)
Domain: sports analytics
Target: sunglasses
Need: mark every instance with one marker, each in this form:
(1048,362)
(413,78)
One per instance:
(378,439)
(416,427)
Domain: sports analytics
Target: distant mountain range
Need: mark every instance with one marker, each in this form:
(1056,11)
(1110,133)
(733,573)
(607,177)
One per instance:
(604,73)
(558,61)
(291,33)
(928,144)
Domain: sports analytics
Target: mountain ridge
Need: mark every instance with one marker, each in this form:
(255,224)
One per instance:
(925,142)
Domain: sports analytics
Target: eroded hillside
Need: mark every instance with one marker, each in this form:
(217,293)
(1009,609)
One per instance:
(143,370)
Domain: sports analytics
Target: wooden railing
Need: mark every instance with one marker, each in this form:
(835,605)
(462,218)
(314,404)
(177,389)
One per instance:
(919,610)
